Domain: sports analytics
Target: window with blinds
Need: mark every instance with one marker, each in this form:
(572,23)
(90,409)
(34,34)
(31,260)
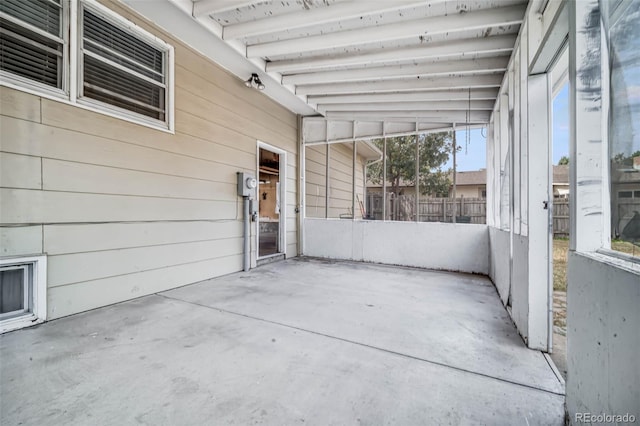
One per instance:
(120,68)
(32,41)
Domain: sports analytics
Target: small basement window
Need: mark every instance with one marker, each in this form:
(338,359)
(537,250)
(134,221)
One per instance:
(16,288)
(122,68)
(22,292)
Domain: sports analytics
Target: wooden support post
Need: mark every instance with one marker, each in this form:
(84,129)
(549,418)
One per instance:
(444,209)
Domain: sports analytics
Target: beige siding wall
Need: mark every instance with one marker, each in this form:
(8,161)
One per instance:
(315,178)
(123,210)
(468,191)
(340,180)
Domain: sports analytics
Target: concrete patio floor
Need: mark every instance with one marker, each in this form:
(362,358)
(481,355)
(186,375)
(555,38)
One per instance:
(304,341)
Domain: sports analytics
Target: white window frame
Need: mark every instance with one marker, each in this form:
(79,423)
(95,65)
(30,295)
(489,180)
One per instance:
(38,312)
(71,73)
(23,83)
(138,32)
(611,255)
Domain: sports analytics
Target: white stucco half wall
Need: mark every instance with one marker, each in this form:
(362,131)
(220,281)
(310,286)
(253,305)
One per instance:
(603,341)
(499,261)
(440,246)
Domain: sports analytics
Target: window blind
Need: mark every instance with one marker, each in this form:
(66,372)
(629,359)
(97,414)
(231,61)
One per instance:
(30,40)
(121,69)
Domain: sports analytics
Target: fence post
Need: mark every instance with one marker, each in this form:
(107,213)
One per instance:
(444,209)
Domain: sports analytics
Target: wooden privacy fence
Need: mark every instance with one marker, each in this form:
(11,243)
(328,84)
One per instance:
(561,217)
(403,208)
(467,210)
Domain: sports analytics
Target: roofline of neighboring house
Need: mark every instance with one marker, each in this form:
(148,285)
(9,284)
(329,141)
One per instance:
(376,155)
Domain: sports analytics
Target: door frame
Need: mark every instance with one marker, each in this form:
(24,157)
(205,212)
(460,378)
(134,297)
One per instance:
(282,224)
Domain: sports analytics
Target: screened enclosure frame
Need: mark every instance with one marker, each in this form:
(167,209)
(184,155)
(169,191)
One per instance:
(316,132)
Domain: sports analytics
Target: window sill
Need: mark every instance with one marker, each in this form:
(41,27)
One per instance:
(19,322)
(616,259)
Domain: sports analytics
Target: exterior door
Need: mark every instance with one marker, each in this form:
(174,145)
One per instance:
(271,200)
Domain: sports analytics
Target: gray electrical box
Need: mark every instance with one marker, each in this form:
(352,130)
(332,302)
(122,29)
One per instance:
(247,184)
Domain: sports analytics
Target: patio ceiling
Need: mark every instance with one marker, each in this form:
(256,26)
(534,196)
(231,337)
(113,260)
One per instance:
(421,62)
(387,59)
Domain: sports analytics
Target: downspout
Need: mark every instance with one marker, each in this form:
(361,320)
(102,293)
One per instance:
(353,174)
(300,210)
(366,173)
(384,178)
(246,263)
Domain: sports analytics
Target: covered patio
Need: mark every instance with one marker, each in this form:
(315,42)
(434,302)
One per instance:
(151,150)
(304,341)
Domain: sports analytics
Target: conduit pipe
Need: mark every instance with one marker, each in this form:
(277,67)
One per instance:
(246,262)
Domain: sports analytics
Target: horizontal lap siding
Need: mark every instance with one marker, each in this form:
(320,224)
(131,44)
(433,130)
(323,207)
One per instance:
(123,210)
(340,180)
(315,178)
(20,240)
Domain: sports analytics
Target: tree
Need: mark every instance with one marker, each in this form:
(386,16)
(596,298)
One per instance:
(564,160)
(434,150)
(625,160)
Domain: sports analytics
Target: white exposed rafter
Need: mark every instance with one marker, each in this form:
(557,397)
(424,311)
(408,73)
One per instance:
(460,48)
(468,66)
(503,16)
(208,7)
(438,95)
(321,131)
(322,15)
(410,106)
(451,82)
(460,117)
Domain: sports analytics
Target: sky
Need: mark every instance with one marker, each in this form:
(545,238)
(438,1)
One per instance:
(473,155)
(561,124)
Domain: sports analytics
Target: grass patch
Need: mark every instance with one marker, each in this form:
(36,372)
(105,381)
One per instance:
(560,250)
(625,247)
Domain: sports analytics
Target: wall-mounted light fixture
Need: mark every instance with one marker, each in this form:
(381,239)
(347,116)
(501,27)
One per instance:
(255,82)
